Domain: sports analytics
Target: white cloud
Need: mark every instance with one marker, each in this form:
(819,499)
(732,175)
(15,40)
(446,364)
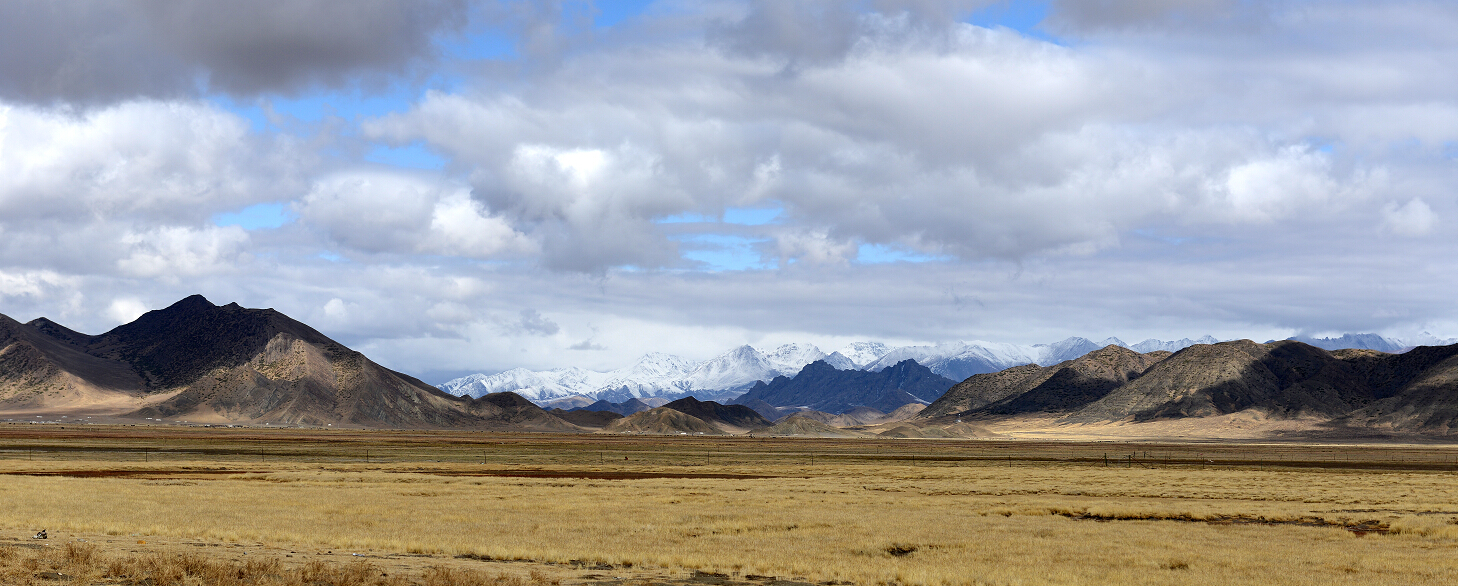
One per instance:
(814,248)
(34,283)
(170,253)
(156,161)
(125,309)
(1413,218)
(1162,174)
(383,212)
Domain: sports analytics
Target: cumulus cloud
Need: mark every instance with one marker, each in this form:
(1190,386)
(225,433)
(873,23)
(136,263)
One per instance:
(160,161)
(1023,147)
(96,51)
(174,252)
(34,283)
(388,212)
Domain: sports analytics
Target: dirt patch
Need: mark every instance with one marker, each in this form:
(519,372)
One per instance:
(598,474)
(1359,528)
(156,474)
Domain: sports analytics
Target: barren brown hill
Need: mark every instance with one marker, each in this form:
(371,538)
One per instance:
(1063,387)
(663,421)
(730,418)
(1284,378)
(1413,392)
(586,418)
(41,372)
(1416,390)
(830,419)
(199,362)
(796,425)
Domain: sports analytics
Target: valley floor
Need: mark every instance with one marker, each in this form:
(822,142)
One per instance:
(536,508)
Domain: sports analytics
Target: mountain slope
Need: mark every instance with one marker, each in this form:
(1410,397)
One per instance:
(1416,390)
(1072,384)
(797,425)
(1286,378)
(1063,387)
(727,417)
(822,387)
(736,369)
(41,368)
(203,363)
(662,421)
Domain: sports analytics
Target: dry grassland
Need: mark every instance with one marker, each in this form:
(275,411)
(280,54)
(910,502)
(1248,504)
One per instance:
(856,511)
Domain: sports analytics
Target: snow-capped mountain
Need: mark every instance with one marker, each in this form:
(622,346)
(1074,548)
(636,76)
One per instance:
(531,385)
(1375,342)
(862,354)
(1069,349)
(959,360)
(667,376)
(1426,339)
(1152,345)
(790,358)
(839,361)
(654,375)
(737,368)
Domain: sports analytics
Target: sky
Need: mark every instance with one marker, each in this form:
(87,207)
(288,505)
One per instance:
(454,187)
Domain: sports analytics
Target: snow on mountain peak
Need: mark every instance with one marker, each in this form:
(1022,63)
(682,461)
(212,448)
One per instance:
(666,375)
(790,358)
(862,354)
(740,367)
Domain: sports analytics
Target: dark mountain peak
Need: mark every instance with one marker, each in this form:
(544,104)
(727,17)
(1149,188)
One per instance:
(506,400)
(191,303)
(689,403)
(628,407)
(818,366)
(822,387)
(175,345)
(1063,387)
(713,412)
(59,332)
(905,368)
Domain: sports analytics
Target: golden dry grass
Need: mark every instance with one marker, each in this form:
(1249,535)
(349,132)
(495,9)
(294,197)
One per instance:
(82,564)
(867,521)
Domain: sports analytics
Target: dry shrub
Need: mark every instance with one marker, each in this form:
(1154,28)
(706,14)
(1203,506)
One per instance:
(80,553)
(1430,527)
(83,564)
(447,576)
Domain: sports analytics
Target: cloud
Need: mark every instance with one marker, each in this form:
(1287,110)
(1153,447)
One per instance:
(1074,16)
(138,160)
(535,324)
(34,283)
(175,252)
(99,51)
(399,213)
(1172,169)
(125,309)
(1413,218)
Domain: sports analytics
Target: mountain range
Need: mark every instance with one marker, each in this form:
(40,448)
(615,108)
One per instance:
(1413,391)
(202,363)
(822,387)
(730,374)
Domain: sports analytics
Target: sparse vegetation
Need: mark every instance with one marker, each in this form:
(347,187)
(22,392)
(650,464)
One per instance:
(865,511)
